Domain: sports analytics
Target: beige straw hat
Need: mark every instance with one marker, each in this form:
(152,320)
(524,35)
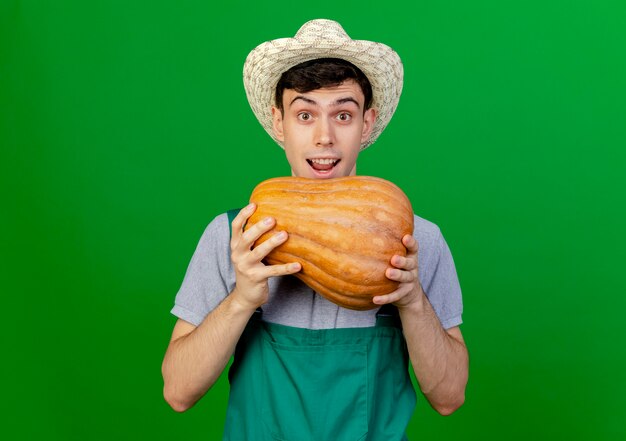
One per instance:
(323,39)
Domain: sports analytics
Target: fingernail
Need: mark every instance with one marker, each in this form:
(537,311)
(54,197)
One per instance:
(294,266)
(281,235)
(267,221)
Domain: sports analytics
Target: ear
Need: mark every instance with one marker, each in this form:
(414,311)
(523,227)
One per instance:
(369,118)
(277,123)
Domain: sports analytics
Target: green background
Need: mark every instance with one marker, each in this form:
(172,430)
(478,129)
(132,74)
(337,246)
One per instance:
(124,129)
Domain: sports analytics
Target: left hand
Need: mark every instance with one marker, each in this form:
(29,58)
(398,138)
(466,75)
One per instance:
(405,271)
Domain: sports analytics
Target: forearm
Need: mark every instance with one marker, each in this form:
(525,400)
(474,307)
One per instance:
(440,361)
(195,361)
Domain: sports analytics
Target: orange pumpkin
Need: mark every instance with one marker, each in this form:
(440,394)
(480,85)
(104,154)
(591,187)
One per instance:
(343,231)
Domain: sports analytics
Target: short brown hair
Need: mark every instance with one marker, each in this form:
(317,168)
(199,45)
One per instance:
(320,73)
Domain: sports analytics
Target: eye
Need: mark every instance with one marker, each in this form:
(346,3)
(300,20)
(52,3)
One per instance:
(344,116)
(304,116)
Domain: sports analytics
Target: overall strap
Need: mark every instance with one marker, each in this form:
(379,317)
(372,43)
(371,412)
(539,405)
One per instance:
(388,315)
(387,309)
(231,216)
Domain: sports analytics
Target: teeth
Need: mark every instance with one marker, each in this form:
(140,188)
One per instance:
(324,161)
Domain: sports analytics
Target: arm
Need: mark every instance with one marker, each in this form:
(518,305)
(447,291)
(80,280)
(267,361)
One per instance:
(196,356)
(439,357)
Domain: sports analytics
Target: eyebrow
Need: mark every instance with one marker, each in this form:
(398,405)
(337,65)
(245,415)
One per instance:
(336,103)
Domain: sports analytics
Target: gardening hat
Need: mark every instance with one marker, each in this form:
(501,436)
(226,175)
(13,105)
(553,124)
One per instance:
(323,39)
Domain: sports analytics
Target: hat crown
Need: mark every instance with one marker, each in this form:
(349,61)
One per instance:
(321,29)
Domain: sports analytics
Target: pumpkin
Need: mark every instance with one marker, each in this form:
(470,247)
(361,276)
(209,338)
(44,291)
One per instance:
(343,231)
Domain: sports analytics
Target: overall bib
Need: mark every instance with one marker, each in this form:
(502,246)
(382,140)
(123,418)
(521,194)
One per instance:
(296,384)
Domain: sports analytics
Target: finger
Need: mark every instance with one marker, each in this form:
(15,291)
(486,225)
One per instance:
(410,243)
(399,275)
(255,231)
(241,218)
(391,297)
(406,263)
(281,270)
(261,251)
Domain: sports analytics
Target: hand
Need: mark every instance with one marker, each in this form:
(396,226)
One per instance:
(405,271)
(251,288)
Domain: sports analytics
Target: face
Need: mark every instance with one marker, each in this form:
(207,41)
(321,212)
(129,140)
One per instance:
(322,130)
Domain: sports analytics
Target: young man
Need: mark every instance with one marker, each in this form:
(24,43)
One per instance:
(304,367)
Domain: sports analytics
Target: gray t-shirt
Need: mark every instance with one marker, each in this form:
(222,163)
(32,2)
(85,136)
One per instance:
(210,278)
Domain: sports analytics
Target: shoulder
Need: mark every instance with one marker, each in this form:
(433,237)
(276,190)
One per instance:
(216,235)
(426,233)
(219,226)
(425,227)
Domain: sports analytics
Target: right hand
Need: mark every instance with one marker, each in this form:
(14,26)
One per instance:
(251,289)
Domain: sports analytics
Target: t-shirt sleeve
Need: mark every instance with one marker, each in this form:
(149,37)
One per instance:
(208,278)
(441,284)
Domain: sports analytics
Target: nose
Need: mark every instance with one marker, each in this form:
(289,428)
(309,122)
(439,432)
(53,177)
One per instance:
(324,133)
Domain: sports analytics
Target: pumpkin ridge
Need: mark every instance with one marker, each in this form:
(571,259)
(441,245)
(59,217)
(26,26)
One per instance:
(320,207)
(359,297)
(359,301)
(298,238)
(366,255)
(329,195)
(359,183)
(359,231)
(346,301)
(290,257)
(346,203)
(295,180)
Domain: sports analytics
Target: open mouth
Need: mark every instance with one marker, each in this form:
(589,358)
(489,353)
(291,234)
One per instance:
(323,166)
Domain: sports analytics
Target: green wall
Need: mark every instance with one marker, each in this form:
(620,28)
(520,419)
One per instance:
(124,129)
